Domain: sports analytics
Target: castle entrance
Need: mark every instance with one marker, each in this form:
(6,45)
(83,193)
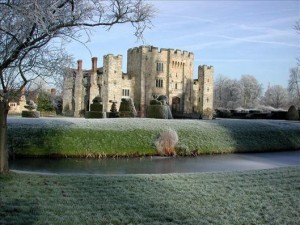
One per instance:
(176,105)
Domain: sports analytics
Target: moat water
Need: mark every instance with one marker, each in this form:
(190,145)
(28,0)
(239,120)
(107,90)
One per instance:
(159,165)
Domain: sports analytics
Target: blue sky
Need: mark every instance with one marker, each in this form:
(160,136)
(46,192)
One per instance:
(236,37)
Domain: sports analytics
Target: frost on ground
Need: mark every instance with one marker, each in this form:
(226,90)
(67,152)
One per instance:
(136,136)
(148,124)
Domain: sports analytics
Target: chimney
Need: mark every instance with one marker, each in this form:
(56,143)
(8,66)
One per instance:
(79,65)
(94,64)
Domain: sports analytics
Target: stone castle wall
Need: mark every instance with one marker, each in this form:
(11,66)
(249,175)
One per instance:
(150,72)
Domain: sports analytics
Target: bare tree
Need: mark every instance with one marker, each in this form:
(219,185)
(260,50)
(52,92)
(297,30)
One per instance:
(251,91)
(27,31)
(276,96)
(294,86)
(234,94)
(220,86)
(228,93)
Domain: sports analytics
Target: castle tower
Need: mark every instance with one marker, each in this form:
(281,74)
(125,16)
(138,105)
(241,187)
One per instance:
(161,72)
(205,80)
(94,89)
(78,92)
(181,73)
(68,90)
(112,81)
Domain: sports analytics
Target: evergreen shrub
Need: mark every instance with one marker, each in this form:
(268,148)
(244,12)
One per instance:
(158,111)
(127,108)
(292,113)
(93,114)
(31,114)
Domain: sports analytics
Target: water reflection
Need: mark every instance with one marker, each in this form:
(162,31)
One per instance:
(160,165)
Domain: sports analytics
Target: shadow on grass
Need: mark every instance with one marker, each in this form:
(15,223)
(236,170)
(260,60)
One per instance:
(19,212)
(32,136)
(262,135)
(241,198)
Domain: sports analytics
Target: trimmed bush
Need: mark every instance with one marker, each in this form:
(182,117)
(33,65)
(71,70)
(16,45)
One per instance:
(31,114)
(166,142)
(158,111)
(127,108)
(96,107)
(93,114)
(292,113)
(47,114)
(159,108)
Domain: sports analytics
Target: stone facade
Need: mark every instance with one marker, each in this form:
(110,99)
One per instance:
(16,107)
(150,72)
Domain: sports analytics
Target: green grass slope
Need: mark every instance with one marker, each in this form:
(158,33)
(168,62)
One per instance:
(71,137)
(256,197)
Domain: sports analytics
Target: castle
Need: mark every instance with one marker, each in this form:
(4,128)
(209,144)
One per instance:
(150,72)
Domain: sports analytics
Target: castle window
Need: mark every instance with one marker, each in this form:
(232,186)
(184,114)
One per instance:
(159,67)
(159,83)
(207,89)
(207,80)
(176,86)
(125,92)
(207,99)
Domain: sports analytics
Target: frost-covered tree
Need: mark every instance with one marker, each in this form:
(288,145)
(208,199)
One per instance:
(220,85)
(251,91)
(228,93)
(276,96)
(28,29)
(294,86)
(233,94)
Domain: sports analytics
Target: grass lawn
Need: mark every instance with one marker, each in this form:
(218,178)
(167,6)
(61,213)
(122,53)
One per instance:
(98,138)
(252,197)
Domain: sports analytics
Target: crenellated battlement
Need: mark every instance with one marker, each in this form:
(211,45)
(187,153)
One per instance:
(152,49)
(116,57)
(205,67)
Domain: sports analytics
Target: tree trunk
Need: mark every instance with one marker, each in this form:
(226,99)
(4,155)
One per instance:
(3,137)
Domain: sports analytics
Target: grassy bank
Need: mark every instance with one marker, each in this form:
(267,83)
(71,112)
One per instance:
(135,137)
(256,197)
